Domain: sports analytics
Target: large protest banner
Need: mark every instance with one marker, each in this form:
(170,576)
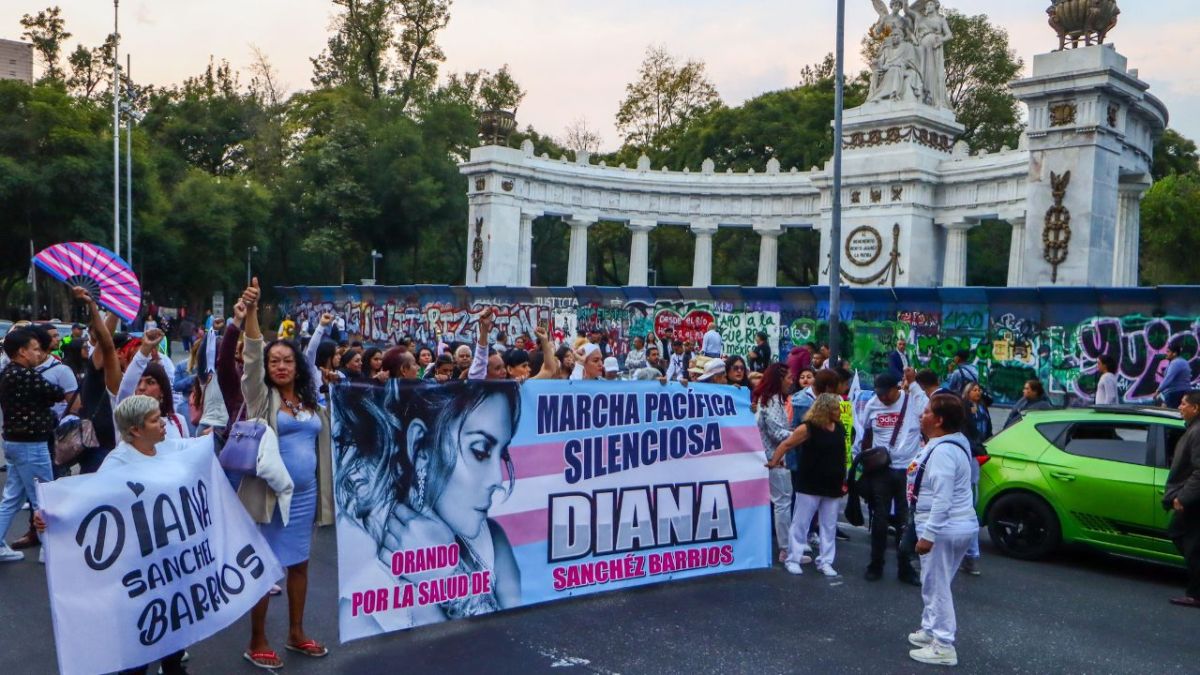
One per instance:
(148,558)
(471,497)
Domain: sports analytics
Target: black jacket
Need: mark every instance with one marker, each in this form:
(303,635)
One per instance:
(27,400)
(1183,481)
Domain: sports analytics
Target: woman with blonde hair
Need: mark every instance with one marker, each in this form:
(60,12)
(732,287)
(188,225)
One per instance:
(818,481)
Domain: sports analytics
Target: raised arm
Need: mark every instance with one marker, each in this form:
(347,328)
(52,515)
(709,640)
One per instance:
(137,365)
(478,369)
(550,364)
(254,388)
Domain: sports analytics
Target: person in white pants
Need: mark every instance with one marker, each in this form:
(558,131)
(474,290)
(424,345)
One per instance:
(939,486)
(770,399)
(818,481)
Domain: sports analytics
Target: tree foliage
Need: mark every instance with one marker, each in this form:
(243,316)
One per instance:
(1170,232)
(47,31)
(664,97)
(1174,154)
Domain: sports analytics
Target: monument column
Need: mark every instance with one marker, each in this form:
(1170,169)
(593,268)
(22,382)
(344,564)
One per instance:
(955,272)
(1126,244)
(525,250)
(1016,251)
(577,256)
(702,262)
(768,255)
(639,252)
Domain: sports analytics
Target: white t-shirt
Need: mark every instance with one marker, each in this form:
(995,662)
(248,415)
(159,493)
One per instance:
(125,453)
(56,372)
(884,419)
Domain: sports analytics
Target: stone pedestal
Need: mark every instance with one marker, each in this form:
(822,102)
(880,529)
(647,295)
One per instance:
(494,241)
(1091,131)
(890,167)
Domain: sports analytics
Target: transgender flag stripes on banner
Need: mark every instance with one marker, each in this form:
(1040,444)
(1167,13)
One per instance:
(462,499)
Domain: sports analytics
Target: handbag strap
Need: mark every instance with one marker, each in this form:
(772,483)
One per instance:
(900,423)
(916,489)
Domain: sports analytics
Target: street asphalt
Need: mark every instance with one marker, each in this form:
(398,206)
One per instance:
(1080,612)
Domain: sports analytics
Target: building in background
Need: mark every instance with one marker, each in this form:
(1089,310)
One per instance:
(16,61)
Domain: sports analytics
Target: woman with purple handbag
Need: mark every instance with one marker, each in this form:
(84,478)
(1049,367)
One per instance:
(280,391)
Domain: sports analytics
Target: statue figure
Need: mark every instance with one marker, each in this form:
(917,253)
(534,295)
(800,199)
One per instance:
(922,27)
(897,23)
(898,71)
(933,32)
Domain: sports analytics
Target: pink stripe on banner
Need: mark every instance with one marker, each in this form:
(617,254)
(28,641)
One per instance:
(530,527)
(543,459)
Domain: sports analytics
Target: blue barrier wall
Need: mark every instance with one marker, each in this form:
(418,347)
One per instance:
(1054,334)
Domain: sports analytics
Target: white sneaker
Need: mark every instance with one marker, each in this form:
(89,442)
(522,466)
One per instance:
(9,555)
(936,653)
(827,570)
(920,638)
(793,567)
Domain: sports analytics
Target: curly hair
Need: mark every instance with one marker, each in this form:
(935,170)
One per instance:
(305,386)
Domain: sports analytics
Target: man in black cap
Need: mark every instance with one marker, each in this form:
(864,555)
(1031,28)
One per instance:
(891,420)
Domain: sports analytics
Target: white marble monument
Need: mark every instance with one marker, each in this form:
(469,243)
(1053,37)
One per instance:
(911,190)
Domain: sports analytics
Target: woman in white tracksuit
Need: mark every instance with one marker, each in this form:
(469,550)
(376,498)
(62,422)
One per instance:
(939,485)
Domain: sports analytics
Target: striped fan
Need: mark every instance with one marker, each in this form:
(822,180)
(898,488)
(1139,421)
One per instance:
(105,275)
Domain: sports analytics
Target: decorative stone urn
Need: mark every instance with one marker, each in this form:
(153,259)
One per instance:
(1086,20)
(495,126)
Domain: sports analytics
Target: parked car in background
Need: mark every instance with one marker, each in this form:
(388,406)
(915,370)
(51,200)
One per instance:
(1090,476)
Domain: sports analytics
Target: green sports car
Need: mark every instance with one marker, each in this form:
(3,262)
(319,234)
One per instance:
(1090,476)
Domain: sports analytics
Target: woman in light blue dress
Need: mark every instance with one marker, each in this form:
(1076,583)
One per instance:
(280,388)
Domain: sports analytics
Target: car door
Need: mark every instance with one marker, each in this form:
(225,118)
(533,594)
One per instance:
(1163,455)
(1102,476)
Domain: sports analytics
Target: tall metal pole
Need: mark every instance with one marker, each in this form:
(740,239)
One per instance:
(835,229)
(116,94)
(33,282)
(129,164)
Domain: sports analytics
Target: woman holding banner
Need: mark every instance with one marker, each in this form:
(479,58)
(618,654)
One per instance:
(282,392)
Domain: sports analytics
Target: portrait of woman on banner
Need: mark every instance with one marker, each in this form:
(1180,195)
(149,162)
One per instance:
(419,466)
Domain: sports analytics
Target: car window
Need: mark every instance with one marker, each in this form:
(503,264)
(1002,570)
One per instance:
(1106,440)
(1173,436)
(1052,431)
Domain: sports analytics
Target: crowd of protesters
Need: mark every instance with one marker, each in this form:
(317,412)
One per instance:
(907,448)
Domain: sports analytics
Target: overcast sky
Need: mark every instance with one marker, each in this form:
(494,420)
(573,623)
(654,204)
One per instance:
(575,57)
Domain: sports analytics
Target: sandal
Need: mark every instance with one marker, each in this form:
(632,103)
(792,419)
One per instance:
(308,648)
(267,660)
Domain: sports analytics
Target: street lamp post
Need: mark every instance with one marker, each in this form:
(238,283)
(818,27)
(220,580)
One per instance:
(835,229)
(116,94)
(249,250)
(375,255)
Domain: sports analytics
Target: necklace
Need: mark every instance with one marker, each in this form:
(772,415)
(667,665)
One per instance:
(295,408)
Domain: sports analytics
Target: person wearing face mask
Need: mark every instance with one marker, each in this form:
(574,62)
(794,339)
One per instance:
(279,388)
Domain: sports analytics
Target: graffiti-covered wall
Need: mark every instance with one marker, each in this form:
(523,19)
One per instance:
(1056,335)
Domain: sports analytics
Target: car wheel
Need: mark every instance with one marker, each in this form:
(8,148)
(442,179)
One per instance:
(1023,526)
